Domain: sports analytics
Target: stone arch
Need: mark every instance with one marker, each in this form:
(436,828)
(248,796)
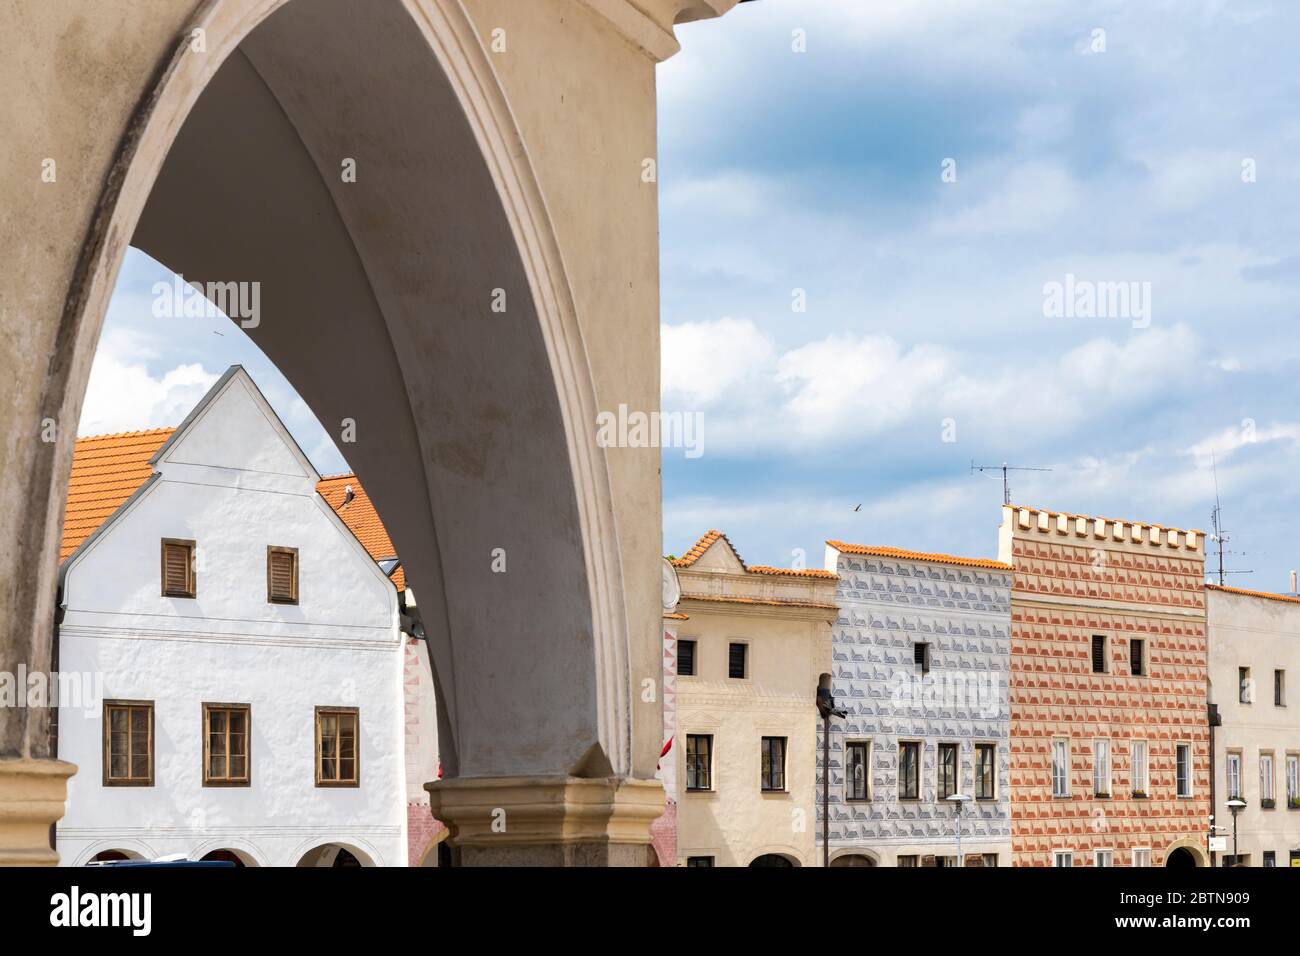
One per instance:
(851,856)
(1185,852)
(336,854)
(770,855)
(459,403)
(248,854)
(133,850)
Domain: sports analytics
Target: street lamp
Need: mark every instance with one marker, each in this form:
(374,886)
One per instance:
(1235,806)
(826,707)
(959,800)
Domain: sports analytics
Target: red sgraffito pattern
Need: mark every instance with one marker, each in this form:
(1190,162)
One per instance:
(1154,595)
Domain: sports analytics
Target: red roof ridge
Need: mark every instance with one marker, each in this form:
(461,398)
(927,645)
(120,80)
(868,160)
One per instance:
(167,430)
(934,557)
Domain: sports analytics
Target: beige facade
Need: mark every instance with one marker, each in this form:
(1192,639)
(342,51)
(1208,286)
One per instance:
(440,246)
(1254,658)
(752,797)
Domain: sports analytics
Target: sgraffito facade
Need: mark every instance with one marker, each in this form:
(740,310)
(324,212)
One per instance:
(1110,762)
(921,658)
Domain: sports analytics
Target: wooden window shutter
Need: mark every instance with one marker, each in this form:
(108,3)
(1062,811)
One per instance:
(1098,654)
(178,578)
(282,575)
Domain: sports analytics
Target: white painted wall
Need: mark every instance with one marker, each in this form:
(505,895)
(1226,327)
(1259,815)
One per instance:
(233,480)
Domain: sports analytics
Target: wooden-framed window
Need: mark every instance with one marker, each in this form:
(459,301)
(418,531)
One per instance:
(1138,767)
(1062,858)
(909,861)
(921,656)
(857,777)
(1060,767)
(989,859)
(1183,769)
(338,763)
(986,771)
(1234,774)
(909,770)
(1245,686)
(1267,800)
(178,577)
(227,729)
(772,764)
(1137,656)
(686,660)
(281,575)
(1293,781)
(1103,857)
(700,861)
(699,762)
(128,743)
(738,660)
(1101,768)
(1279,688)
(1098,654)
(948,763)
(1142,856)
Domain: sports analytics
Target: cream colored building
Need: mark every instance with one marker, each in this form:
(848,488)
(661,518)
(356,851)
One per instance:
(1254,641)
(749,654)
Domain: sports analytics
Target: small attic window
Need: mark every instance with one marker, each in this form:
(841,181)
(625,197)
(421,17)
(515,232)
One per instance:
(387,565)
(281,575)
(178,578)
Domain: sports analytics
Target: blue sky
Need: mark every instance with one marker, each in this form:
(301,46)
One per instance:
(821,171)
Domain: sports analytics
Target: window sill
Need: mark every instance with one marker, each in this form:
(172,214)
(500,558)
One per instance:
(1268,804)
(701,793)
(774,793)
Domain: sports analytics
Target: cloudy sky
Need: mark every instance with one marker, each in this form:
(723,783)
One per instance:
(1159,152)
(1114,157)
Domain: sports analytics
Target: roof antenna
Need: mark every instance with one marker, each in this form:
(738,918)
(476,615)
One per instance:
(1004,468)
(1220,536)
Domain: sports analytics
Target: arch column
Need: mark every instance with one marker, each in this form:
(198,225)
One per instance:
(570,764)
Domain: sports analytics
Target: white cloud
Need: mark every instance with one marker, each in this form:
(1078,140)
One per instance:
(703,362)
(123,396)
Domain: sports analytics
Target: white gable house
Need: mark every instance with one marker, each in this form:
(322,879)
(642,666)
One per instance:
(250,654)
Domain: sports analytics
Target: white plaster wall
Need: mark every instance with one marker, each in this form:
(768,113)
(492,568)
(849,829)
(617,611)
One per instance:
(338,646)
(1264,635)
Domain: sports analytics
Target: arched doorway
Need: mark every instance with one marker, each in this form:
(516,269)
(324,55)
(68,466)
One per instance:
(223,856)
(113,856)
(772,859)
(335,855)
(1181,857)
(853,859)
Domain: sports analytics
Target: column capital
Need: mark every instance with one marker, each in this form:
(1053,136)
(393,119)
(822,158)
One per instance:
(32,795)
(648,24)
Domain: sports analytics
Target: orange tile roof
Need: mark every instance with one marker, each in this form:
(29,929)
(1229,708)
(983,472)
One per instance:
(797,572)
(887,552)
(697,550)
(1267,595)
(362,519)
(707,541)
(107,470)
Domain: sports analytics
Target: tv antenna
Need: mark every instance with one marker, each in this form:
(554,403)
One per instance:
(1004,468)
(1219,536)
